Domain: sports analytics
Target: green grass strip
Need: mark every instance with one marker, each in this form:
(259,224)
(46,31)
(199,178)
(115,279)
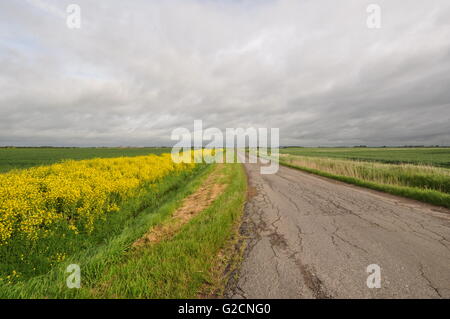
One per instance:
(180,266)
(423,195)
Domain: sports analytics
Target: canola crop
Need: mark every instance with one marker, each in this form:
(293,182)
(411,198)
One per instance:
(73,194)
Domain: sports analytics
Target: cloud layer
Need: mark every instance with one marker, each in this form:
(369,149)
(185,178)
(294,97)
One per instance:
(138,69)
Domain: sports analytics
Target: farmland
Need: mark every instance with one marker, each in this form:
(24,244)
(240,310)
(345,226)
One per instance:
(25,157)
(141,226)
(426,156)
(92,212)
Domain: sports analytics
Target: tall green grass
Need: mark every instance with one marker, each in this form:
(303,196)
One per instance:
(433,156)
(425,183)
(180,266)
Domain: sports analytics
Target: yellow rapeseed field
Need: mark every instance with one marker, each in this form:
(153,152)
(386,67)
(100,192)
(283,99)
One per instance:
(73,194)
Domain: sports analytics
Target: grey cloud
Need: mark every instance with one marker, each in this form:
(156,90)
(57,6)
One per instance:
(138,69)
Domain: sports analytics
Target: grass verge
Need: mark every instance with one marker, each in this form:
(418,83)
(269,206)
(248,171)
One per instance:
(421,194)
(180,266)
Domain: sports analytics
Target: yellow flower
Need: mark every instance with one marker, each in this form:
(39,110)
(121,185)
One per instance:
(74,193)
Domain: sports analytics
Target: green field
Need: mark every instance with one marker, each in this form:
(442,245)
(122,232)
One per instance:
(426,156)
(185,264)
(19,158)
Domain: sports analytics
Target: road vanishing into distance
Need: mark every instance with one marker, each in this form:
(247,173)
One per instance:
(311,237)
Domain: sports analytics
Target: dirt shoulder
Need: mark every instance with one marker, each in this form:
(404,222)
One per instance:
(190,207)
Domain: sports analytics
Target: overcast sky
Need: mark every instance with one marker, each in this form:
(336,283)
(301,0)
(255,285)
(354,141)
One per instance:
(136,70)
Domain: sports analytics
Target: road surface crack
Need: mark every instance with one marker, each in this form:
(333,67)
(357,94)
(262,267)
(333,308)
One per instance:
(430,284)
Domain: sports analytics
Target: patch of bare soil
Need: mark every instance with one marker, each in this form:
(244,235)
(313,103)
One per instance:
(191,206)
(251,192)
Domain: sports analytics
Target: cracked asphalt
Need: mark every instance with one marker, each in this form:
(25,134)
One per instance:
(311,237)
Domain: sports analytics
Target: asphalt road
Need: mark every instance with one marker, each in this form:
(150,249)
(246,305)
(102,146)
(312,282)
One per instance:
(311,237)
